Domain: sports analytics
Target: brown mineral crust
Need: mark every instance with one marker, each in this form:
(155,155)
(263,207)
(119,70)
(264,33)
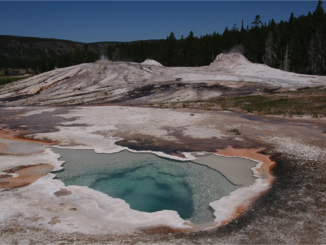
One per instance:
(27,175)
(183,143)
(178,155)
(7,134)
(3,151)
(18,135)
(264,171)
(14,135)
(17,126)
(241,209)
(251,154)
(164,230)
(33,140)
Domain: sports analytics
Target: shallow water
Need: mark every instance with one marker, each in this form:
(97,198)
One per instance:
(147,182)
(18,147)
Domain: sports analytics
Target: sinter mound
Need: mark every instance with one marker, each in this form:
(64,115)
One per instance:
(151,62)
(231,60)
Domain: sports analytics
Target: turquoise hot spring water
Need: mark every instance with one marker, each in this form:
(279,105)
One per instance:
(147,182)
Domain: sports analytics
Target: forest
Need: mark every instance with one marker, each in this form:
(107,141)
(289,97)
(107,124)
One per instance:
(79,55)
(297,45)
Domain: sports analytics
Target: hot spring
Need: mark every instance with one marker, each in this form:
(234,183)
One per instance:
(147,182)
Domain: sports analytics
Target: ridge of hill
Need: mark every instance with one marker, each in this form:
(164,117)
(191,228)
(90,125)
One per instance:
(35,48)
(32,48)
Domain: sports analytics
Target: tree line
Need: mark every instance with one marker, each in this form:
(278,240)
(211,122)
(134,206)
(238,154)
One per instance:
(80,55)
(297,45)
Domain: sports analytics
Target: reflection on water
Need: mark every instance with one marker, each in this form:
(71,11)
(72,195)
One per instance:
(147,182)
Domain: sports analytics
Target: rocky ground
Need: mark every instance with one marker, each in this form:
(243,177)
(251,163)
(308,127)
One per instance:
(291,211)
(284,214)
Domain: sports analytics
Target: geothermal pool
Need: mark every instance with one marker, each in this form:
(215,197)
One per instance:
(147,182)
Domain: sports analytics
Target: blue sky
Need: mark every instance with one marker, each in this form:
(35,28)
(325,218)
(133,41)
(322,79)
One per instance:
(89,21)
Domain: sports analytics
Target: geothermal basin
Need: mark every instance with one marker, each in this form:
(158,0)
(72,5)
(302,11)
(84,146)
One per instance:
(150,183)
(125,190)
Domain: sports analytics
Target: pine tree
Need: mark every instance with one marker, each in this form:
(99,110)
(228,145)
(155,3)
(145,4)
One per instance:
(270,56)
(318,16)
(317,50)
(257,21)
(286,64)
(312,64)
(235,28)
(242,28)
(171,42)
(319,7)
(316,54)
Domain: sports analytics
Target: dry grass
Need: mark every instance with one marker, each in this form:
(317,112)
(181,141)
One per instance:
(302,102)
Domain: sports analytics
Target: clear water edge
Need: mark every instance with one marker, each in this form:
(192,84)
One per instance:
(147,182)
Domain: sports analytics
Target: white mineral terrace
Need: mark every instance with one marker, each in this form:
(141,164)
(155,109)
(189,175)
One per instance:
(92,212)
(105,81)
(48,204)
